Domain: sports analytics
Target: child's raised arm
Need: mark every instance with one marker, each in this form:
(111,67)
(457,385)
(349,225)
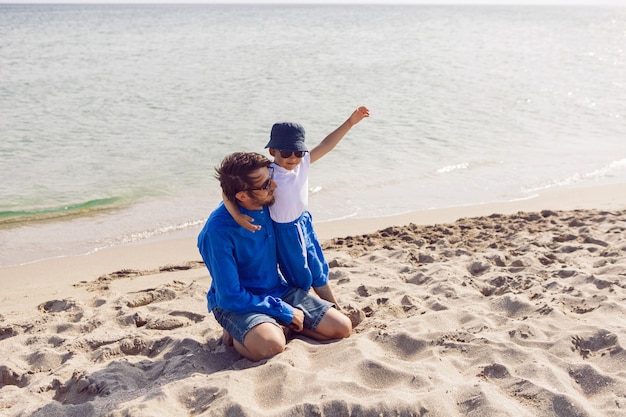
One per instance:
(336,135)
(243,220)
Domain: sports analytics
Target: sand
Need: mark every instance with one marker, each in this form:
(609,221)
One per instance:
(495,310)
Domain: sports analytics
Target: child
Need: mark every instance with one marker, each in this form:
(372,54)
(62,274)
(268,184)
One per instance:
(299,253)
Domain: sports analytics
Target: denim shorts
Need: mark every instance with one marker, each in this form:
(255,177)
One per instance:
(314,309)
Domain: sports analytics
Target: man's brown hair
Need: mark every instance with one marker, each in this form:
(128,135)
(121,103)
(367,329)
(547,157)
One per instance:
(234,172)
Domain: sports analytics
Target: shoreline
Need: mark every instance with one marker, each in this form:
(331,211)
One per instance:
(28,285)
(601,197)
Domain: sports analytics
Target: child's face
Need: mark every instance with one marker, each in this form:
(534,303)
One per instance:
(288,163)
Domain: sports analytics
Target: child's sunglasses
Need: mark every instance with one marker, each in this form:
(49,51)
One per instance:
(287,154)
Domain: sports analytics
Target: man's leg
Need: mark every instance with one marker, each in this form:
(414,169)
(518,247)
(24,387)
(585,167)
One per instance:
(262,342)
(334,325)
(227,338)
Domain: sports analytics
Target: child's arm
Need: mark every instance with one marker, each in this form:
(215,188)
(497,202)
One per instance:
(243,220)
(333,138)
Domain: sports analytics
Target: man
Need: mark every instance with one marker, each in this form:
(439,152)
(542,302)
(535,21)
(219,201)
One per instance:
(248,296)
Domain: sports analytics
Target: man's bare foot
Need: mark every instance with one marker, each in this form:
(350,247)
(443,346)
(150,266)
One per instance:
(287,332)
(227,339)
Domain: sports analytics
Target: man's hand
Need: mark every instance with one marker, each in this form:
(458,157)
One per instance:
(297,323)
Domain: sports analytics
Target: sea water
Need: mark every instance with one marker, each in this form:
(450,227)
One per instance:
(113,117)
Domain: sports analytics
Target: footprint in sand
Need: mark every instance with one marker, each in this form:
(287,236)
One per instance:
(590,380)
(8,376)
(478,268)
(403,345)
(169,322)
(495,371)
(70,310)
(599,343)
(8,330)
(165,321)
(150,296)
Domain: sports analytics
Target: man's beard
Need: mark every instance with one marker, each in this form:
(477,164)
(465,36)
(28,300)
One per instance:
(265,202)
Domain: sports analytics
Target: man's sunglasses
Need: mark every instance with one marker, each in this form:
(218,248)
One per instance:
(287,154)
(268,184)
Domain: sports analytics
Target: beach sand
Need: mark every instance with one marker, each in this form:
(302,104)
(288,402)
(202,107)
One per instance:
(514,309)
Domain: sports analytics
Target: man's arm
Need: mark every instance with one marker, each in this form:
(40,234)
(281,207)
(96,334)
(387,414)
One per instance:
(326,293)
(227,290)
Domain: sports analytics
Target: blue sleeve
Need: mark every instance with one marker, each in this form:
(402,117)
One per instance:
(319,281)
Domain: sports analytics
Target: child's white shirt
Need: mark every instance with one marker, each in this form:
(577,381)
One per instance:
(292,193)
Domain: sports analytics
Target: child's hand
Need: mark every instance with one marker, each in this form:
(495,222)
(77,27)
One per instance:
(359,114)
(246,222)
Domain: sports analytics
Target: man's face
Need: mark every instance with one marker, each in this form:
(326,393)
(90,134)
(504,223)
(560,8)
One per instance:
(262,192)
